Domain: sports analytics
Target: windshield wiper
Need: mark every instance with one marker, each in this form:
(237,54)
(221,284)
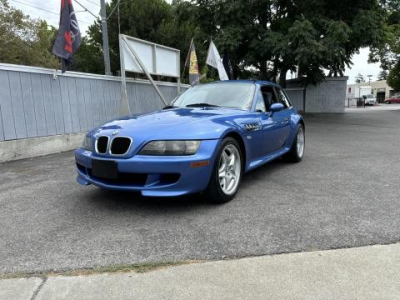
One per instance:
(201,105)
(169,107)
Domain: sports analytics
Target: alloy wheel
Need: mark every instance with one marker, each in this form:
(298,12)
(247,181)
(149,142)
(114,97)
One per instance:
(300,142)
(229,169)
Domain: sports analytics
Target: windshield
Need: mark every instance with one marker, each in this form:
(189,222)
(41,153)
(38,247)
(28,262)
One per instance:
(370,96)
(234,95)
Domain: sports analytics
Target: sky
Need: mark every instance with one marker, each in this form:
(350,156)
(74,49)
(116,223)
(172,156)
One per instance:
(361,66)
(50,13)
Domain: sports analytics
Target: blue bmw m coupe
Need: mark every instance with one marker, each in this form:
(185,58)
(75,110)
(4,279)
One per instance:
(203,142)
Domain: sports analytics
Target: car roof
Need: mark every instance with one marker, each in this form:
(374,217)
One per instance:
(257,82)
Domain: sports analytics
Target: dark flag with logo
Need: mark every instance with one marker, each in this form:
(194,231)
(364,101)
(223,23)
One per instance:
(228,66)
(69,36)
(192,64)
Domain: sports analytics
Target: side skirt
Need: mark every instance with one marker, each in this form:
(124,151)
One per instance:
(265,159)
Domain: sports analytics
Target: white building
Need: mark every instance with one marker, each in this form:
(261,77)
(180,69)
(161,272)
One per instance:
(358,91)
(378,88)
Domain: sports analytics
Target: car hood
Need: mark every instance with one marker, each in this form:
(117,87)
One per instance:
(178,123)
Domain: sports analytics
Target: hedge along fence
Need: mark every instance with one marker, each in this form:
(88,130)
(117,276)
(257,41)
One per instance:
(37,102)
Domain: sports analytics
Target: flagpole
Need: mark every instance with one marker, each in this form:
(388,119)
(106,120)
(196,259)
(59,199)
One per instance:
(187,57)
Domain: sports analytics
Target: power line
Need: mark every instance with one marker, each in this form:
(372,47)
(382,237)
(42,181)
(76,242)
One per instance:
(131,20)
(80,21)
(46,10)
(49,11)
(94,3)
(119,22)
(112,11)
(86,9)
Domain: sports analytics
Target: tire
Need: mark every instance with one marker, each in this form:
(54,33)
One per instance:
(389,102)
(296,152)
(225,178)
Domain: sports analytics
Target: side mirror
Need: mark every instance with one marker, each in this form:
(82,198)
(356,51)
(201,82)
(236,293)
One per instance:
(276,107)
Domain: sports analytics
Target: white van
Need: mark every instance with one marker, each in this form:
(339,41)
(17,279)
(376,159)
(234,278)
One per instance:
(370,99)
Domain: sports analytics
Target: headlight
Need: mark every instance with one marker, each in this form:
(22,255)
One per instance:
(87,143)
(170,148)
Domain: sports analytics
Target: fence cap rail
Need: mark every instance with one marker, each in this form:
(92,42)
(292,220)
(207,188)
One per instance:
(295,89)
(56,73)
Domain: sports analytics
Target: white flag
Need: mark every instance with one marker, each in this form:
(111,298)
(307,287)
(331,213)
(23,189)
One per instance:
(214,60)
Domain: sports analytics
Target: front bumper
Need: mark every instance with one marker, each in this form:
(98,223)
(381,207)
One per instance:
(153,175)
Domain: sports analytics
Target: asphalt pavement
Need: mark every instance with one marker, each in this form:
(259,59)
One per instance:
(345,193)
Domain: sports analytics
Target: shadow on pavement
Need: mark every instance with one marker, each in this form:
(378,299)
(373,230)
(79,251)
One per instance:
(121,200)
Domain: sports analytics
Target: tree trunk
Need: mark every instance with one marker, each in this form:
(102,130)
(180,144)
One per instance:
(263,71)
(282,78)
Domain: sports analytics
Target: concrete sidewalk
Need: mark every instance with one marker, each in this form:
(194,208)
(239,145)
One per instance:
(359,273)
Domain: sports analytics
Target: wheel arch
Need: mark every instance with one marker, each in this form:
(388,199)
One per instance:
(301,121)
(235,135)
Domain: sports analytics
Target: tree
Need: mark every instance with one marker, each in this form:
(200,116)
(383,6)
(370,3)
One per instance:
(275,36)
(388,51)
(152,20)
(24,40)
(393,78)
(382,75)
(88,59)
(360,78)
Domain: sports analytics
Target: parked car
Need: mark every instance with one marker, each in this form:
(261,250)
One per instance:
(370,99)
(394,99)
(204,141)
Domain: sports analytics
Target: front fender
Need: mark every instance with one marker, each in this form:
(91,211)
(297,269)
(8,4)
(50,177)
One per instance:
(296,119)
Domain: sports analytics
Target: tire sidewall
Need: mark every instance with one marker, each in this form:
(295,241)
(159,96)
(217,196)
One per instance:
(219,195)
(299,158)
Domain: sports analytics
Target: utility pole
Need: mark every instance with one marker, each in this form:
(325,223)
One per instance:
(369,82)
(106,51)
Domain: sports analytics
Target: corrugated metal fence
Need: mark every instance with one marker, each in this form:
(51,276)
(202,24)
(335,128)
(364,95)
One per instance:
(296,96)
(36,102)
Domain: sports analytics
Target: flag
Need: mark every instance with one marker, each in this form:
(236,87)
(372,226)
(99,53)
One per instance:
(214,60)
(68,36)
(192,64)
(228,66)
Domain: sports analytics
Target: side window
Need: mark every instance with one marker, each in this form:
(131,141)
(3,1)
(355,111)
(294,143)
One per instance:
(283,98)
(268,95)
(260,105)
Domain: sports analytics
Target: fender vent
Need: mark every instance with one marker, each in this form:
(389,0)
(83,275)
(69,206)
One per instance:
(252,127)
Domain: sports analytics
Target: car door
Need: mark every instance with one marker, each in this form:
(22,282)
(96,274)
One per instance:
(256,128)
(277,124)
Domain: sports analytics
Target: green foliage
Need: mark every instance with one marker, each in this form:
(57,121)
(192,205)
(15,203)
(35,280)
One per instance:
(25,41)
(157,21)
(387,52)
(383,75)
(393,78)
(360,78)
(275,36)
(88,59)
(265,38)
